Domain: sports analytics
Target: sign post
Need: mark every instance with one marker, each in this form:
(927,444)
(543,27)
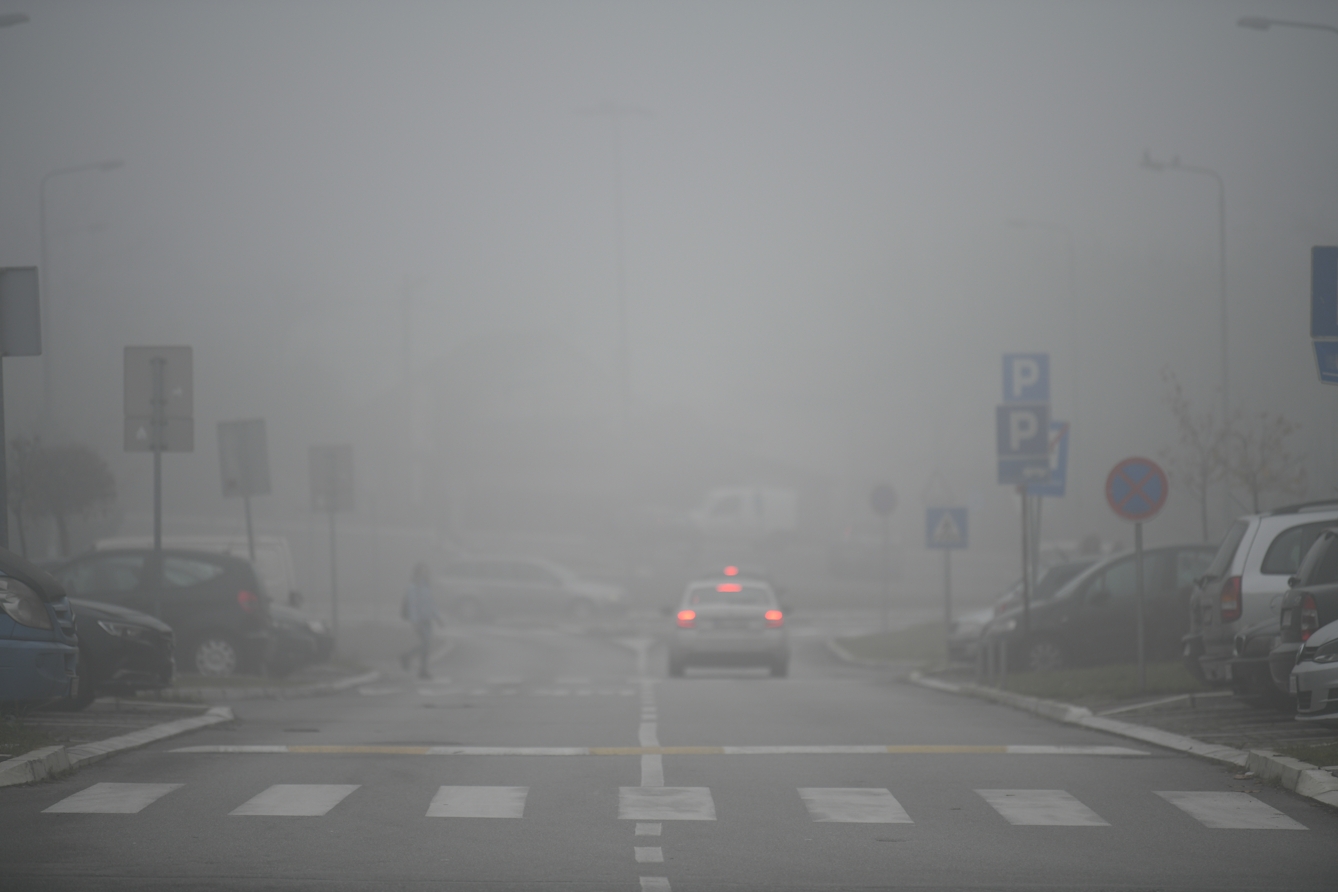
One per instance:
(1022,430)
(1136,490)
(883,501)
(331,469)
(244,462)
(159,412)
(945,529)
(20,335)
(1324,310)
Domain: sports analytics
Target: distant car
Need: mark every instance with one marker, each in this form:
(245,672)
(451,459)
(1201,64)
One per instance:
(1314,678)
(214,603)
(39,653)
(493,587)
(121,651)
(1093,619)
(1309,605)
(1246,580)
(730,621)
(299,640)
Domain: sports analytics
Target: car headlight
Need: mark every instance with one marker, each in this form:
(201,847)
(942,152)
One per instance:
(121,630)
(23,605)
(1327,653)
(1007,625)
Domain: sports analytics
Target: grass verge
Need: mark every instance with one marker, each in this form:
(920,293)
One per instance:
(1321,754)
(1093,684)
(18,738)
(922,644)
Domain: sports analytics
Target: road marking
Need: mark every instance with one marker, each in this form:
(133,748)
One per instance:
(665,804)
(111,799)
(478,802)
(1048,808)
(648,854)
(652,771)
(383,750)
(655,884)
(1230,811)
(646,735)
(305,800)
(369,691)
(648,829)
(572,679)
(854,805)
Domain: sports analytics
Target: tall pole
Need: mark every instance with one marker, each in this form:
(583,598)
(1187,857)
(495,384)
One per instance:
(947,602)
(4,473)
(334,580)
(1138,584)
(250,533)
(886,574)
(1026,564)
(159,424)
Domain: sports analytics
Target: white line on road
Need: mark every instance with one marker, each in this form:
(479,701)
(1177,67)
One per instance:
(854,805)
(648,854)
(652,771)
(111,799)
(1048,808)
(478,802)
(646,734)
(1230,811)
(648,829)
(665,804)
(852,750)
(654,884)
(304,800)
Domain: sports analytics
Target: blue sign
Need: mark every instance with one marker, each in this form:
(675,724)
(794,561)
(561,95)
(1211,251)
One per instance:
(945,527)
(1136,488)
(1323,292)
(1024,471)
(1023,431)
(1059,463)
(1026,377)
(1326,354)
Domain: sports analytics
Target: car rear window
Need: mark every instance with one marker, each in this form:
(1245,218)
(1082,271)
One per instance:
(1284,555)
(1320,566)
(1227,550)
(730,594)
(182,572)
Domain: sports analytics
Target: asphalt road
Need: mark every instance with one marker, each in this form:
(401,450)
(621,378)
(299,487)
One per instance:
(542,759)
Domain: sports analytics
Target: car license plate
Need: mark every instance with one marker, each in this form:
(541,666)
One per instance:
(1291,684)
(1286,618)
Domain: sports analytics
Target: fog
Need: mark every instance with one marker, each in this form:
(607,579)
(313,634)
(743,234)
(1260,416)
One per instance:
(396,225)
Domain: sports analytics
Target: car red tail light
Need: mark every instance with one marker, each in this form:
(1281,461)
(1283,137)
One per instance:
(1309,617)
(687,619)
(775,619)
(248,601)
(731,571)
(1229,601)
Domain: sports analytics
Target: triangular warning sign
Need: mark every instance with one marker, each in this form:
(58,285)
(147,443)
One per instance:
(946,533)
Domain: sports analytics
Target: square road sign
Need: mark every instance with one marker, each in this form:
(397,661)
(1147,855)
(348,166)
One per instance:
(1026,377)
(1324,292)
(20,312)
(945,527)
(243,458)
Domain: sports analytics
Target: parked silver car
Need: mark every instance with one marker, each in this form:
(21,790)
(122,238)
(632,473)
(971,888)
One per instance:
(1314,679)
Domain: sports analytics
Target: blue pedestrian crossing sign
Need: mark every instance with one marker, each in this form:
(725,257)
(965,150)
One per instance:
(1324,310)
(945,527)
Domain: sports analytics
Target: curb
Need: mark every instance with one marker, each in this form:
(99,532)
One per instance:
(1300,777)
(199,695)
(845,656)
(53,761)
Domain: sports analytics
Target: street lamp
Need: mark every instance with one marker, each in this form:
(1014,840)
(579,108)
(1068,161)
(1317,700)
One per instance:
(1260,23)
(44,276)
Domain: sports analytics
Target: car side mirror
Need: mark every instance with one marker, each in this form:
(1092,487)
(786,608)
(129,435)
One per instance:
(1293,581)
(294,599)
(1098,597)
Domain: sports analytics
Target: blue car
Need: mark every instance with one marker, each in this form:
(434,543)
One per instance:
(39,653)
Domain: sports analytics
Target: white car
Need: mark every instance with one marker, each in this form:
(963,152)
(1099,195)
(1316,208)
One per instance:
(730,621)
(1314,678)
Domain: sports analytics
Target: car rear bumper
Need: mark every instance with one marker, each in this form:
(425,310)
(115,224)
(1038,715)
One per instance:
(37,671)
(725,648)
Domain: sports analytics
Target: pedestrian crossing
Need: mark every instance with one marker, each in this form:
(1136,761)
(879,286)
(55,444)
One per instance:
(1218,810)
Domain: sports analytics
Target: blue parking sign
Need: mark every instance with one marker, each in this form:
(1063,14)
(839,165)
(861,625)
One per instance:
(1026,377)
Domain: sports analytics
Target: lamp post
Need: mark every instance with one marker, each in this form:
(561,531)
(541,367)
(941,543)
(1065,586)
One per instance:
(1263,23)
(48,304)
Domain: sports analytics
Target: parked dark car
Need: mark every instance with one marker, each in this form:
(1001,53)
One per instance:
(214,602)
(299,640)
(1251,673)
(121,651)
(1310,604)
(1093,619)
(966,631)
(39,653)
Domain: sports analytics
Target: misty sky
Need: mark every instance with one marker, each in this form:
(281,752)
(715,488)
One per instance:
(818,255)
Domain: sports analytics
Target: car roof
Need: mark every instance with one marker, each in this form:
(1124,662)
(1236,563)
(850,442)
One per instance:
(219,557)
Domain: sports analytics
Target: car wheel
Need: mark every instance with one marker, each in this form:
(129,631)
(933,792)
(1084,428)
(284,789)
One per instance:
(780,668)
(1044,655)
(581,609)
(468,610)
(215,655)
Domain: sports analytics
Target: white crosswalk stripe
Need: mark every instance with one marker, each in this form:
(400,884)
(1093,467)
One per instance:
(1042,808)
(296,800)
(648,854)
(1230,811)
(478,802)
(111,799)
(853,805)
(665,804)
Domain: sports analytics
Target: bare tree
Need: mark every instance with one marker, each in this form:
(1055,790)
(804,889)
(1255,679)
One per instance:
(1258,458)
(60,482)
(1199,458)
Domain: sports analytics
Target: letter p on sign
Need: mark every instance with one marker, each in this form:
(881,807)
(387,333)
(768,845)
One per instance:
(1021,428)
(1026,377)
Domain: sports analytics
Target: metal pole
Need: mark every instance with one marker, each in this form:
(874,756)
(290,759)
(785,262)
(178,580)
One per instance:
(4,473)
(250,534)
(1026,564)
(157,365)
(1138,584)
(334,580)
(886,572)
(947,603)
